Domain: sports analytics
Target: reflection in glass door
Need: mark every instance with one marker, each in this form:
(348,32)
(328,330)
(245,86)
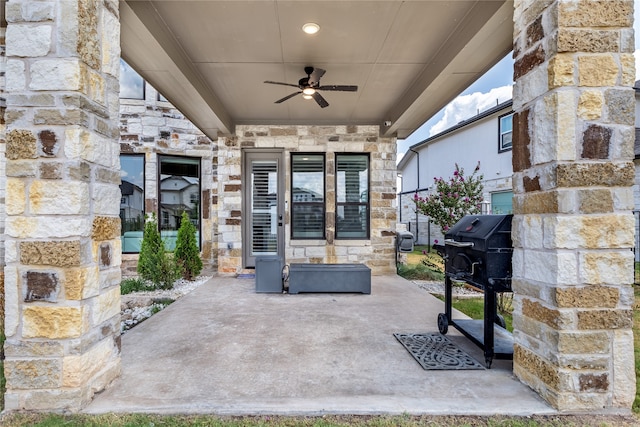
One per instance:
(263,232)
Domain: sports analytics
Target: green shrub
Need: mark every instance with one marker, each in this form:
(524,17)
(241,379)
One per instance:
(134,284)
(187,254)
(419,272)
(154,264)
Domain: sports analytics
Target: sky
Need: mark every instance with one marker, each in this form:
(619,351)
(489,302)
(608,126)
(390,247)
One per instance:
(494,86)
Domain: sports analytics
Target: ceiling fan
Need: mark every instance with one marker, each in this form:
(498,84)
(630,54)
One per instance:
(310,85)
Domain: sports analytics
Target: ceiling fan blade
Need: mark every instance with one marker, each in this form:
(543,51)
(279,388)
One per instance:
(280,83)
(287,97)
(314,77)
(344,88)
(320,100)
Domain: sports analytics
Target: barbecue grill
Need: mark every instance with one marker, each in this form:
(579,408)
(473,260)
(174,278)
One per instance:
(478,251)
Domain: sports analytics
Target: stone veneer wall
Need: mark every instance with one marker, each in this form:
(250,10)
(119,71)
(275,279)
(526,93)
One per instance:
(377,252)
(3,173)
(62,248)
(573,227)
(155,127)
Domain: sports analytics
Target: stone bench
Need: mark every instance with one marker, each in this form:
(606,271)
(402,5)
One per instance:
(329,278)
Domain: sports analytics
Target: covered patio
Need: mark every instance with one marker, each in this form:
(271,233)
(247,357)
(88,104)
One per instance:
(573,134)
(225,349)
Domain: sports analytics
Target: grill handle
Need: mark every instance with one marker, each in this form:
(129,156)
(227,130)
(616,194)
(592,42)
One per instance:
(452,242)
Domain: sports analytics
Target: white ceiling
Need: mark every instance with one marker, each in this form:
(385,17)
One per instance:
(408,58)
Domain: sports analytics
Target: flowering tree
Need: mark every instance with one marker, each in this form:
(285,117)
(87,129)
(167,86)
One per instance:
(452,199)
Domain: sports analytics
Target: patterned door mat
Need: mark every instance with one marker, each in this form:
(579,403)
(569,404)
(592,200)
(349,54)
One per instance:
(435,352)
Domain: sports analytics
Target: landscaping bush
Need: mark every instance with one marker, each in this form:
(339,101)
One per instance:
(134,284)
(419,272)
(452,199)
(187,254)
(154,264)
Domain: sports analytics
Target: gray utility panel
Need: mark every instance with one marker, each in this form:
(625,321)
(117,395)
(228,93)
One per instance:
(329,278)
(269,274)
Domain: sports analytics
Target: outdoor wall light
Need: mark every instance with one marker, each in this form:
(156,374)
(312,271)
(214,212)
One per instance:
(311,28)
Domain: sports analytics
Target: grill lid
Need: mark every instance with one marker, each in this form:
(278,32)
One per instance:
(484,231)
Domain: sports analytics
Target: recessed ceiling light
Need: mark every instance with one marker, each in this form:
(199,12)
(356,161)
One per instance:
(311,28)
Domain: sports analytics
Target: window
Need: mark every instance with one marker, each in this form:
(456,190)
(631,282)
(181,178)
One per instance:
(307,196)
(132,201)
(352,196)
(179,192)
(131,83)
(506,133)
(502,203)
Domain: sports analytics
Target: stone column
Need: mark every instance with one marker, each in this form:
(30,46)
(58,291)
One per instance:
(62,270)
(573,228)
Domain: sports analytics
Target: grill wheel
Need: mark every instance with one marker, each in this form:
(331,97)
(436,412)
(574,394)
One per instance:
(443,323)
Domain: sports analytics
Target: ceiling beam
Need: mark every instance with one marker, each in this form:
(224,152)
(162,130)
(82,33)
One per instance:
(149,48)
(487,28)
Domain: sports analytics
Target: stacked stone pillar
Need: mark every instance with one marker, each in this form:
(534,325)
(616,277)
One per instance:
(573,227)
(62,270)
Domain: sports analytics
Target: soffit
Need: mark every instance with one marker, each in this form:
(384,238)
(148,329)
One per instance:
(408,58)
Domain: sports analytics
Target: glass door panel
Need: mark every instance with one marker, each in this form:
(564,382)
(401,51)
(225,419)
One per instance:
(263,206)
(264,209)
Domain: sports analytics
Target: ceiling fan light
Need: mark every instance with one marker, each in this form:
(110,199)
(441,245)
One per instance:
(305,96)
(308,91)
(311,28)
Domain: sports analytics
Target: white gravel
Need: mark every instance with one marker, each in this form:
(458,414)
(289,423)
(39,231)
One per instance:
(139,306)
(180,288)
(458,289)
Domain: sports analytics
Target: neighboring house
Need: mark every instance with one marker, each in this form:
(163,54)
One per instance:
(178,194)
(485,138)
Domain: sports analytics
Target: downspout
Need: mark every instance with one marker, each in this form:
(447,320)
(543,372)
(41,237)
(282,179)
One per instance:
(400,196)
(417,187)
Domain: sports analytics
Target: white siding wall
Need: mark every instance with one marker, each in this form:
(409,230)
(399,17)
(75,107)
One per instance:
(475,142)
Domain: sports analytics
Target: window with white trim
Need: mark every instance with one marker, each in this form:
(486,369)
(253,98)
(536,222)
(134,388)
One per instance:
(505,132)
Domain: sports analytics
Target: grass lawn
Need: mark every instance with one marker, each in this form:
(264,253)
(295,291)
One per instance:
(146,420)
(636,346)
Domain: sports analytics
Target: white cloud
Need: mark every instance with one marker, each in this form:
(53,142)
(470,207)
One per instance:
(466,106)
(131,84)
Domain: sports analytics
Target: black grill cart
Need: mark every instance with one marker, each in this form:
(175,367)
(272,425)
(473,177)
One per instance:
(478,251)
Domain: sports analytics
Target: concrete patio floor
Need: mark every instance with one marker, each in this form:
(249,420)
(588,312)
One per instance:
(224,349)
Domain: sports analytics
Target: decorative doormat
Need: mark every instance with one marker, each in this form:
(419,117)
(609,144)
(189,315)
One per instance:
(436,352)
